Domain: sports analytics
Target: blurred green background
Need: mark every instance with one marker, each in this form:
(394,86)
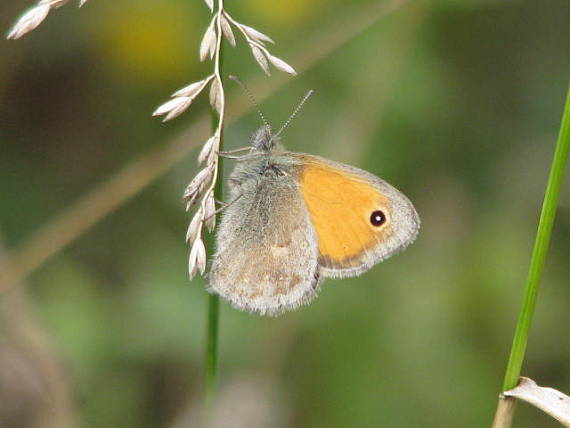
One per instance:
(457,103)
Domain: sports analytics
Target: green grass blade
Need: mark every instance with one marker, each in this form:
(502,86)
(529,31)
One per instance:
(539,252)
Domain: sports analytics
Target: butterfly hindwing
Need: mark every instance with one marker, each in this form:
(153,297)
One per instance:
(266,256)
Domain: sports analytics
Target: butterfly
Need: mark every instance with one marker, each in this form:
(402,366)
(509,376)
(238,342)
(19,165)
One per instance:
(296,219)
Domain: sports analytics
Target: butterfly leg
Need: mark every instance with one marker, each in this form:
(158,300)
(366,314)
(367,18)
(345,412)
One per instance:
(223,206)
(231,152)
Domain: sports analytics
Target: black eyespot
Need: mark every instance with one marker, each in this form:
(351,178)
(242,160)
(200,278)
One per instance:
(377,218)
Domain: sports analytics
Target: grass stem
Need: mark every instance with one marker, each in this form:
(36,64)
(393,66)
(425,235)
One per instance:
(536,268)
(539,252)
(212,346)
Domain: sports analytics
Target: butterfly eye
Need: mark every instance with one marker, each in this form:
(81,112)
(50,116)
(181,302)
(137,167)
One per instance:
(377,218)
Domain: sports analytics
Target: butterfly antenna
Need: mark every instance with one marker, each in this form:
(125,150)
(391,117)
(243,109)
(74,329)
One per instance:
(251,98)
(288,121)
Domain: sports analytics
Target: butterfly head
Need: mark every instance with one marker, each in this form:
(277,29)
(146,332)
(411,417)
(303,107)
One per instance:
(263,140)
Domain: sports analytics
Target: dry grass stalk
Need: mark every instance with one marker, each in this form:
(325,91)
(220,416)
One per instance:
(35,16)
(201,188)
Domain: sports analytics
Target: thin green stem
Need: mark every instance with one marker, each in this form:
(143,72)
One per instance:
(539,252)
(218,116)
(212,350)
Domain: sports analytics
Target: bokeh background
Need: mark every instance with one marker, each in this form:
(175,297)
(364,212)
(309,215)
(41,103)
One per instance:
(457,103)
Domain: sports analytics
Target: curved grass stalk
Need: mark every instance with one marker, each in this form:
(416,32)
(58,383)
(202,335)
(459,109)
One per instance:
(213,321)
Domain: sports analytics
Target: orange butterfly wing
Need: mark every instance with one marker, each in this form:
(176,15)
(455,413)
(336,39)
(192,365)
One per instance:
(341,200)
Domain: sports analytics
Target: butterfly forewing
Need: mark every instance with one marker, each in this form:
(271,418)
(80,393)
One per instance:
(359,219)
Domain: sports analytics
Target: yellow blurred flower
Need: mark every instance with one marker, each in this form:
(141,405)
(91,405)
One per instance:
(150,41)
(280,12)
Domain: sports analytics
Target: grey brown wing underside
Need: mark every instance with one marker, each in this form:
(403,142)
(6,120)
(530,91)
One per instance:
(266,250)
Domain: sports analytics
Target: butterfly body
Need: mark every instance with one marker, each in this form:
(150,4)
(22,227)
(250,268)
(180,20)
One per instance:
(296,219)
